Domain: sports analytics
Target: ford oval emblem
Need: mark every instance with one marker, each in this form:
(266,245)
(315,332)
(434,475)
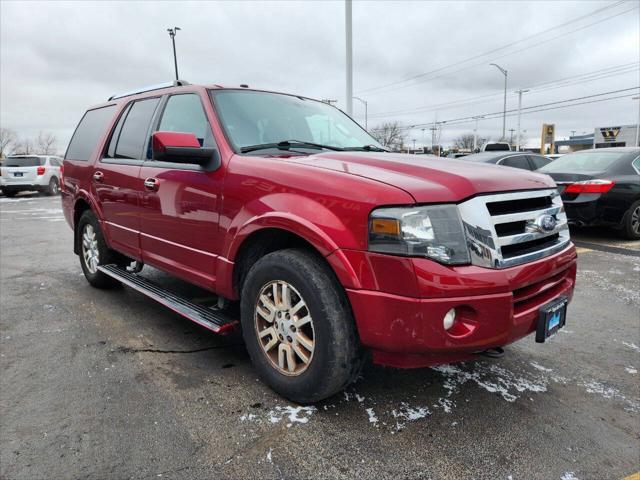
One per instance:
(546,222)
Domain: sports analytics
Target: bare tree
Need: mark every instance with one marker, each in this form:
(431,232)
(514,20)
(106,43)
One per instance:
(46,143)
(24,147)
(390,135)
(7,140)
(464,141)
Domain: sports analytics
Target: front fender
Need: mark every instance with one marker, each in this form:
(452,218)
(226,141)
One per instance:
(307,218)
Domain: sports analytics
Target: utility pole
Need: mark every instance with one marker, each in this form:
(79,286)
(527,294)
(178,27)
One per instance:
(172,34)
(475,132)
(347,18)
(519,92)
(511,137)
(365,112)
(504,108)
(414,145)
(573,133)
(638,125)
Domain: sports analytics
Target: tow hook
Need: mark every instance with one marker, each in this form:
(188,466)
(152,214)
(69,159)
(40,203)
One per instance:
(497,352)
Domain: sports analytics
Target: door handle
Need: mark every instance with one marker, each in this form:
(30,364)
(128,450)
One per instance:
(151,184)
(98,176)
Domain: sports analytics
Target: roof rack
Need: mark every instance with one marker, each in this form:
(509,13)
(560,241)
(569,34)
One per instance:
(175,83)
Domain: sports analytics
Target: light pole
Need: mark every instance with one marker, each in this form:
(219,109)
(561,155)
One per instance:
(638,125)
(504,108)
(366,127)
(414,145)
(349,59)
(475,132)
(172,34)
(519,92)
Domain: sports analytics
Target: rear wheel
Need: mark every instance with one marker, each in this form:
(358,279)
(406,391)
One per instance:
(54,187)
(298,327)
(94,252)
(631,222)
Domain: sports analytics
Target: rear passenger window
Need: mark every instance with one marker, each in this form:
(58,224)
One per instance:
(516,162)
(88,133)
(184,113)
(539,161)
(130,134)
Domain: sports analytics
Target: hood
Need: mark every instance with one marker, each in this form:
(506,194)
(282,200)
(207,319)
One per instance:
(429,179)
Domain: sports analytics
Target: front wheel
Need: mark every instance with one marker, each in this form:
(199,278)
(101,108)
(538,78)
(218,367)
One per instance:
(298,327)
(631,222)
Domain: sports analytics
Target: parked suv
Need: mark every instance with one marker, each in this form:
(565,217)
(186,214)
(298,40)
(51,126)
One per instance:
(332,248)
(30,172)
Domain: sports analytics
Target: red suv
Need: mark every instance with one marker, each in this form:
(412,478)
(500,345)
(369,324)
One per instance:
(332,247)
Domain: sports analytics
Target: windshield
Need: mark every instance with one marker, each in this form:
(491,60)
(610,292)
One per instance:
(583,162)
(256,118)
(24,162)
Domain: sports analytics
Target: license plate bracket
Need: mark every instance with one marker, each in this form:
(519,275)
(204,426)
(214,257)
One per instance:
(551,319)
(18,174)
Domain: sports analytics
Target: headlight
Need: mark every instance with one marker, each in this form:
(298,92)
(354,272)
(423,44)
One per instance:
(430,231)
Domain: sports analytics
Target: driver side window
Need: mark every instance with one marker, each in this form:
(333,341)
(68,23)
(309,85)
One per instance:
(184,113)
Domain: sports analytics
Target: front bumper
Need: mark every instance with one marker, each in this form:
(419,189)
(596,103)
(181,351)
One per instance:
(494,308)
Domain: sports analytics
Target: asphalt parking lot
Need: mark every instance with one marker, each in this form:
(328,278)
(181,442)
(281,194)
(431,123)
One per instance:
(108,384)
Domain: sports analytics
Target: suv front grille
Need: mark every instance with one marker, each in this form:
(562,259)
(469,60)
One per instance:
(509,229)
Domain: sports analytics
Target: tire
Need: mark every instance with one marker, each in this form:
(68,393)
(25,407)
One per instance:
(631,222)
(53,188)
(90,226)
(336,357)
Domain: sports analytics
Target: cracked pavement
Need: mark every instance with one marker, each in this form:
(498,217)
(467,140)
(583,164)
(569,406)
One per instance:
(110,385)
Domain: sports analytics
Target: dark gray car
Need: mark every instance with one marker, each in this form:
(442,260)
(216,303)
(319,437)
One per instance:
(523,160)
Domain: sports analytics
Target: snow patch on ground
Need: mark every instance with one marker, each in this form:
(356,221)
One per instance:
(631,370)
(372,416)
(608,392)
(628,295)
(293,414)
(632,346)
(540,367)
(408,414)
(492,378)
(569,476)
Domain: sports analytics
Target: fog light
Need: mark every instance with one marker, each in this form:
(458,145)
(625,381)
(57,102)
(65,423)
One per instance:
(449,319)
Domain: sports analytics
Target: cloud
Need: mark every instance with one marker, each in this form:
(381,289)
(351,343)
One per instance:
(59,58)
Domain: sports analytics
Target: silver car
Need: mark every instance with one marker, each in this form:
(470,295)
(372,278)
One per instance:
(30,172)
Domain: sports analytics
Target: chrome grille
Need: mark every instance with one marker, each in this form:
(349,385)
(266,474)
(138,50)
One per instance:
(510,229)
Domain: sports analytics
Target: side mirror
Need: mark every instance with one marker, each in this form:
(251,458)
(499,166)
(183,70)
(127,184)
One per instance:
(181,147)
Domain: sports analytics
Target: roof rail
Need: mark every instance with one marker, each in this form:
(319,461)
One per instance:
(175,83)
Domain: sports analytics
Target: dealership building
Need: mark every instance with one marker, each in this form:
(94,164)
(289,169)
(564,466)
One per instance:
(602,137)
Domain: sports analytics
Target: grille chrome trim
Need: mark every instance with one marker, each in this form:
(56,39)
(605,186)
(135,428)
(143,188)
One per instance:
(485,245)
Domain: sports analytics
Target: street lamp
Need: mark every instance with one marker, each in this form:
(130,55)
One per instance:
(365,112)
(475,132)
(172,34)
(504,109)
(349,55)
(519,92)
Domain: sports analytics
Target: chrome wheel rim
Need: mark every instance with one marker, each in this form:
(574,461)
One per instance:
(54,188)
(635,221)
(90,253)
(284,328)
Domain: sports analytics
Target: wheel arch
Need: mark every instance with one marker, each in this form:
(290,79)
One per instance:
(270,238)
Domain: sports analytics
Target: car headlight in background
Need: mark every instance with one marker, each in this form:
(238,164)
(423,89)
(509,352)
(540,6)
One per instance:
(434,231)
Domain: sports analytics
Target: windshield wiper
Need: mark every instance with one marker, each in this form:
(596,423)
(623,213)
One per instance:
(366,148)
(287,144)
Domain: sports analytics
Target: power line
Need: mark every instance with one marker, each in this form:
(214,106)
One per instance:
(542,87)
(381,89)
(488,116)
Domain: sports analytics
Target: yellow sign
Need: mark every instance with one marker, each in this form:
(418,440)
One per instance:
(548,138)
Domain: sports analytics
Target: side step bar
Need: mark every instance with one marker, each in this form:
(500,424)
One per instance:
(216,321)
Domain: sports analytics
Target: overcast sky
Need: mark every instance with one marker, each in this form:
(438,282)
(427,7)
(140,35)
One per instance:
(59,58)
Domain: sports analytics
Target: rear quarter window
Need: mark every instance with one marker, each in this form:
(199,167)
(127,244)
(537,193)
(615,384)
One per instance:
(23,162)
(88,133)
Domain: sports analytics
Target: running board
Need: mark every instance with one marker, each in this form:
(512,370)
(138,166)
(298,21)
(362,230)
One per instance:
(216,321)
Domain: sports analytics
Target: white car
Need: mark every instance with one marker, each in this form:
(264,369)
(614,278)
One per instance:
(30,172)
